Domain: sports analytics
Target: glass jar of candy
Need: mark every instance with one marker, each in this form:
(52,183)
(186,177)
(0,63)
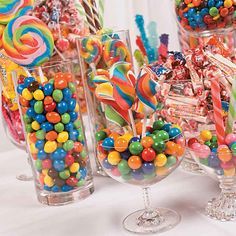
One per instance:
(98,53)
(199,20)
(54,133)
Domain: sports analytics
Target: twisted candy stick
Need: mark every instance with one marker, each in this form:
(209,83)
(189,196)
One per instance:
(91,50)
(114,51)
(27,41)
(10,9)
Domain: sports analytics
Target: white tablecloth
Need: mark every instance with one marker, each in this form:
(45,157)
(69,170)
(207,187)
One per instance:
(102,213)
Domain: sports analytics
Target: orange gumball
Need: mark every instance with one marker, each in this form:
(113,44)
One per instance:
(23,102)
(134,162)
(33,138)
(170,148)
(196,3)
(60,84)
(51,136)
(78,147)
(68,77)
(147,142)
(224,154)
(179,150)
(121,144)
(139,127)
(114,135)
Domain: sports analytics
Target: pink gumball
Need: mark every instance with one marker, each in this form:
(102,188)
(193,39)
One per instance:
(204,151)
(180,141)
(196,146)
(227,165)
(115,172)
(230,138)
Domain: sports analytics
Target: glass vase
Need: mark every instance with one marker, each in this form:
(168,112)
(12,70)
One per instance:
(54,133)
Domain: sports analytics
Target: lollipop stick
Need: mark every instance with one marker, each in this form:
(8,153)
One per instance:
(41,75)
(59,53)
(132,122)
(27,72)
(144,126)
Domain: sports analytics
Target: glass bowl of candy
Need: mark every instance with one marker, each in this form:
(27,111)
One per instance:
(143,160)
(218,161)
(54,133)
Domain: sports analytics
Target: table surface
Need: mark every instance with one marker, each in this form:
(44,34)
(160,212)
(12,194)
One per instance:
(102,213)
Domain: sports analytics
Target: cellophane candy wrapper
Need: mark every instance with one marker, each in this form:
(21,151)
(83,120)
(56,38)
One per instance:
(54,133)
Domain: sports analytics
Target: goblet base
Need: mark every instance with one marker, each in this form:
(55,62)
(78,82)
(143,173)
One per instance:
(153,221)
(223,207)
(24,177)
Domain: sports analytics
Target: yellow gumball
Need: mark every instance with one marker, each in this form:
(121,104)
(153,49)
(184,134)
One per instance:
(48,181)
(161,171)
(228,3)
(45,171)
(33,149)
(114,158)
(160,160)
(38,95)
(26,94)
(50,146)
(127,136)
(206,135)
(35,125)
(62,137)
(74,168)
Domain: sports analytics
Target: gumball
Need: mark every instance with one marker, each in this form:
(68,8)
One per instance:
(108,144)
(230,138)
(148,168)
(46,164)
(74,168)
(158,125)
(224,154)
(127,136)
(50,146)
(135,162)
(58,154)
(106,164)
(159,145)
(174,133)
(134,139)
(125,155)
(166,127)
(123,167)
(163,135)
(148,154)
(147,142)
(115,172)
(59,165)
(137,174)
(180,141)
(121,144)
(179,150)
(101,135)
(206,135)
(170,148)
(114,135)
(100,148)
(135,148)
(114,158)
(160,160)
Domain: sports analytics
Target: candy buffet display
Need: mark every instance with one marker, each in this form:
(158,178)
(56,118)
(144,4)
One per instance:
(199,20)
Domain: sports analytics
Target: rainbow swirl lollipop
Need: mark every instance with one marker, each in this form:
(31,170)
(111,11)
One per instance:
(10,9)
(123,81)
(114,51)
(146,89)
(27,41)
(102,76)
(91,49)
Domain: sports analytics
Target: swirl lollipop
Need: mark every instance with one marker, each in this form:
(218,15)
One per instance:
(27,41)
(91,50)
(102,76)
(14,8)
(114,51)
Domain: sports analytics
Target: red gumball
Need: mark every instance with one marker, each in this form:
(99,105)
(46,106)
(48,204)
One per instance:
(72,181)
(63,44)
(191,141)
(69,160)
(148,154)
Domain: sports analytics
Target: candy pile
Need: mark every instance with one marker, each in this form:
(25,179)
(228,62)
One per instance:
(199,15)
(54,131)
(220,158)
(140,160)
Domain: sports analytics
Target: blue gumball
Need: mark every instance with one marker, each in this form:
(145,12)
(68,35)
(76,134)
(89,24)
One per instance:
(71,104)
(166,127)
(137,174)
(59,165)
(66,188)
(73,116)
(40,118)
(174,132)
(46,126)
(42,155)
(134,139)
(55,189)
(106,164)
(66,94)
(39,144)
(73,135)
(69,127)
(45,187)
(83,173)
(62,107)
(20,88)
(32,102)
(148,168)
(28,81)
(125,155)
(108,144)
(48,89)
(213,161)
(59,154)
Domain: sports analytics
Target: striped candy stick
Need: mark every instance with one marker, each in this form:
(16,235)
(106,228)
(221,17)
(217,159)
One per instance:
(232,109)
(217,105)
(101,12)
(95,14)
(89,16)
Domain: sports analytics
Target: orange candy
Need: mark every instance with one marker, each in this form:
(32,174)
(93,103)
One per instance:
(147,142)
(170,148)
(179,150)
(68,77)
(196,3)
(139,127)
(48,100)
(51,136)
(23,102)
(60,84)
(135,162)
(224,154)
(114,135)
(187,2)
(78,147)
(121,144)
(41,179)
(32,137)
(53,117)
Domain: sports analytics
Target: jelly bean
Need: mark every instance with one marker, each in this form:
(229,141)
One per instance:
(57,95)
(38,107)
(158,125)
(83,154)
(50,146)
(65,174)
(174,133)
(66,188)
(23,102)
(28,128)
(55,189)
(26,94)
(68,145)
(61,183)
(69,127)
(73,116)
(206,135)
(40,134)
(108,143)
(123,167)
(147,142)
(65,118)
(81,182)
(135,148)
(50,107)
(59,127)
(52,173)
(62,107)
(62,137)
(148,168)
(58,154)
(27,119)
(83,172)
(46,126)
(73,135)
(69,159)
(74,168)
(53,117)
(32,102)
(31,113)
(33,86)
(66,94)
(148,154)
(47,100)
(20,88)
(114,158)
(28,80)
(60,84)
(48,89)
(32,137)
(46,164)
(35,125)
(40,118)
(51,135)
(134,162)
(163,135)
(78,147)
(42,155)
(72,87)
(38,165)
(39,144)
(121,144)
(72,181)
(59,165)
(38,95)
(48,181)
(159,146)
(71,105)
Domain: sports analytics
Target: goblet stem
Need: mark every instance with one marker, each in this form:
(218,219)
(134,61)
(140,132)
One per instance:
(223,207)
